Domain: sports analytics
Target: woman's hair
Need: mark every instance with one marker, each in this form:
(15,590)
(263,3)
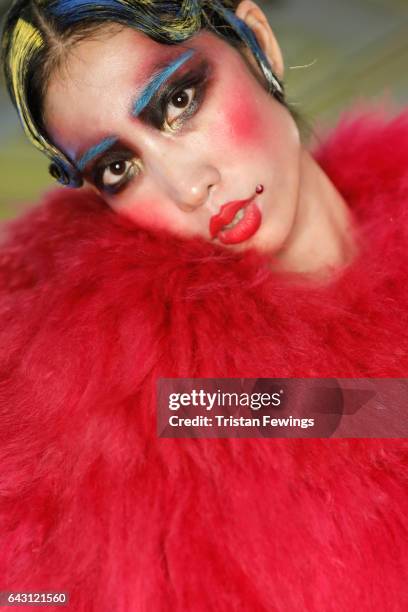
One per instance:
(38,34)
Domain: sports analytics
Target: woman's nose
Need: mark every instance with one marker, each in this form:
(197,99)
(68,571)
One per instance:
(193,188)
(185,179)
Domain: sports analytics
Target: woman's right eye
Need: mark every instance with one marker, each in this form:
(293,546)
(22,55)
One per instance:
(117,173)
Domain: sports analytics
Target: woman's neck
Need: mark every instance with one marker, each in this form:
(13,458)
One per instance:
(322,239)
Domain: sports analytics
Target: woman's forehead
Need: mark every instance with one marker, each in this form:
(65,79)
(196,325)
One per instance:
(127,54)
(102,75)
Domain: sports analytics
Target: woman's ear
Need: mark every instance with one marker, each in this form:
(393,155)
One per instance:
(255,18)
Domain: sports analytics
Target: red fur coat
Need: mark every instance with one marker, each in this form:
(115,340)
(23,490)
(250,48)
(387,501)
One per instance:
(94,310)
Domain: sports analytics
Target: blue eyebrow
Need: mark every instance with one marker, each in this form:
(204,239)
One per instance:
(157,81)
(97,149)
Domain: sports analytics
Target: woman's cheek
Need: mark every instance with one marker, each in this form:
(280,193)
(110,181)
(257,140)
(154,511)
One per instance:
(156,217)
(240,121)
(146,214)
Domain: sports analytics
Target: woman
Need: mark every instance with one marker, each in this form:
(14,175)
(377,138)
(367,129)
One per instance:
(204,241)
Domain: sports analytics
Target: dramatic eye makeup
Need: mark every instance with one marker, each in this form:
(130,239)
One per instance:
(178,99)
(166,107)
(95,151)
(157,80)
(113,170)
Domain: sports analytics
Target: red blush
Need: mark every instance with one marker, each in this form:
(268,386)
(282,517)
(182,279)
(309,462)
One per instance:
(241,119)
(141,213)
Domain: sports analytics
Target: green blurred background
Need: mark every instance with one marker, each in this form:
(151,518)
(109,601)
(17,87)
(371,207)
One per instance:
(353,50)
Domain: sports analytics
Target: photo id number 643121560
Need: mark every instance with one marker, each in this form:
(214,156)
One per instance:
(26,598)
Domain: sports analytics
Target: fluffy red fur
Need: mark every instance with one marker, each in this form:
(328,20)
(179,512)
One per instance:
(94,310)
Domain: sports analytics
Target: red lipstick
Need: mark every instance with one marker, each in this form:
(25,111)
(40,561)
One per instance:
(248,221)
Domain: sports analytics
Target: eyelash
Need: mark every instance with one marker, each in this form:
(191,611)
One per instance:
(194,81)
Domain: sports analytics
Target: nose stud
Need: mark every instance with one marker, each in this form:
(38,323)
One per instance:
(259,188)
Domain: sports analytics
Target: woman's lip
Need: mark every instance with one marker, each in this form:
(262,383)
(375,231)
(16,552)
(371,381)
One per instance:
(226,215)
(245,228)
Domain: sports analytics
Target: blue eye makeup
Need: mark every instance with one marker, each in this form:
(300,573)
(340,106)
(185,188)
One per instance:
(95,151)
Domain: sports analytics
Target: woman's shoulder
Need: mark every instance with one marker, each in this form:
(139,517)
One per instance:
(52,235)
(366,156)
(75,235)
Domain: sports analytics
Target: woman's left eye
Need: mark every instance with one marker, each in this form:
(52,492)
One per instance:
(178,103)
(116,172)
(112,176)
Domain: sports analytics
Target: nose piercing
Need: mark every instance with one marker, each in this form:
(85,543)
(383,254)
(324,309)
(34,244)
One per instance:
(259,188)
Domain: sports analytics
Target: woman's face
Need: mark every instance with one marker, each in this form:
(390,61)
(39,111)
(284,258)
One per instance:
(178,137)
